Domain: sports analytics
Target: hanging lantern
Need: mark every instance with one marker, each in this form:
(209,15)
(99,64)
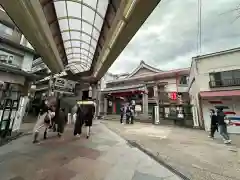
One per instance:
(90,91)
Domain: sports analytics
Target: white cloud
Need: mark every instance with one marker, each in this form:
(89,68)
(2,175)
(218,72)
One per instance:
(168,39)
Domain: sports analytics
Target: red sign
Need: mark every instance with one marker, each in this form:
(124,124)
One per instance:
(173,96)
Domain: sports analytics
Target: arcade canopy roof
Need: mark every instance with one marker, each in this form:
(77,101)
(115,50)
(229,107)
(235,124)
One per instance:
(80,23)
(81,37)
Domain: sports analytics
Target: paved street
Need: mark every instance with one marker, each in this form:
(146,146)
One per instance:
(105,156)
(188,151)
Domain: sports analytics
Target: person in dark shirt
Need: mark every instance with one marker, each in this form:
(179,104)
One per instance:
(61,122)
(223,126)
(89,115)
(214,123)
(121,114)
(79,121)
(128,114)
(85,115)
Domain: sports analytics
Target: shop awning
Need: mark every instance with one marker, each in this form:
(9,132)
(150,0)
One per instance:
(220,93)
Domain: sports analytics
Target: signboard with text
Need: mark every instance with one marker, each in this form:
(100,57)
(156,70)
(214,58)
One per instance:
(64,85)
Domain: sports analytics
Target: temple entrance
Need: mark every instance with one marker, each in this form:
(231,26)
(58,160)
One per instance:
(116,100)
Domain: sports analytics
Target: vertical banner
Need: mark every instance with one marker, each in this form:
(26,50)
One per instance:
(20,113)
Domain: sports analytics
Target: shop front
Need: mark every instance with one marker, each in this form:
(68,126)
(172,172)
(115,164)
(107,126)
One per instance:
(14,89)
(12,108)
(229,101)
(174,108)
(116,97)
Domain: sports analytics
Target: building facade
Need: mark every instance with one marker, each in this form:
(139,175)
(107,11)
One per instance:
(148,87)
(16,57)
(215,81)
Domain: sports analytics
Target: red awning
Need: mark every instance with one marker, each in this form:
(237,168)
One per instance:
(220,93)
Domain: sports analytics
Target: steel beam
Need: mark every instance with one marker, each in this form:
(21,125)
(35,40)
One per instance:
(138,16)
(29,17)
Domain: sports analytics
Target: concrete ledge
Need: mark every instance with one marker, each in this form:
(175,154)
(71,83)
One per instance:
(16,135)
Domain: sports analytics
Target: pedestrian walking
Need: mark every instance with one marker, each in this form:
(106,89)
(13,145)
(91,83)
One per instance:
(52,104)
(89,109)
(132,114)
(43,122)
(223,126)
(122,114)
(85,115)
(128,114)
(79,122)
(61,122)
(214,123)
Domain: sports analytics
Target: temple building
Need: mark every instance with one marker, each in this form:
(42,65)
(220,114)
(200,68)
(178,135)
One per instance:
(150,87)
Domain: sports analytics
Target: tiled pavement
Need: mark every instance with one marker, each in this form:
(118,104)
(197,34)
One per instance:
(105,156)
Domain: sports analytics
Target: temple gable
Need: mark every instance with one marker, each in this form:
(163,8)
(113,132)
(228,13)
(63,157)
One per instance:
(143,69)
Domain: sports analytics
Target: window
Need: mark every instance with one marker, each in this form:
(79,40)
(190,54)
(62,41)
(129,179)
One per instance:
(10,58)
(225,75)
(236,74)
(3,57)
(5,29)
(150,92)
(225,78)
(183,80)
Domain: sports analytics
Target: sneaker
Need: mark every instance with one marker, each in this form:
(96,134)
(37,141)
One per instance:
(227,141)
(87,137)
(35,141)
(78,135)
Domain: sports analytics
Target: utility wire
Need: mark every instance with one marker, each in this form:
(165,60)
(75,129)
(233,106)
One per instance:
(199,34)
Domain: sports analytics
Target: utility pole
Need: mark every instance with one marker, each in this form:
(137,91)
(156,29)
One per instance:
(199,35)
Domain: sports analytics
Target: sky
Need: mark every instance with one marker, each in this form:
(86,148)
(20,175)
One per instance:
(168,38)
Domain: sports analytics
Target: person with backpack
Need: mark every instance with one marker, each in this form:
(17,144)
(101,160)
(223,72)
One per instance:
(85,115)
(223,126)
(44,121)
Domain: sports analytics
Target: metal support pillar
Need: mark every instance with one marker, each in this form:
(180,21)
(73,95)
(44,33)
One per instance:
(156,107)
(145,102)
(105,106)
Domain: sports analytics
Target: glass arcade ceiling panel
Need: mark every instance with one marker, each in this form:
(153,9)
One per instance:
(80,24)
